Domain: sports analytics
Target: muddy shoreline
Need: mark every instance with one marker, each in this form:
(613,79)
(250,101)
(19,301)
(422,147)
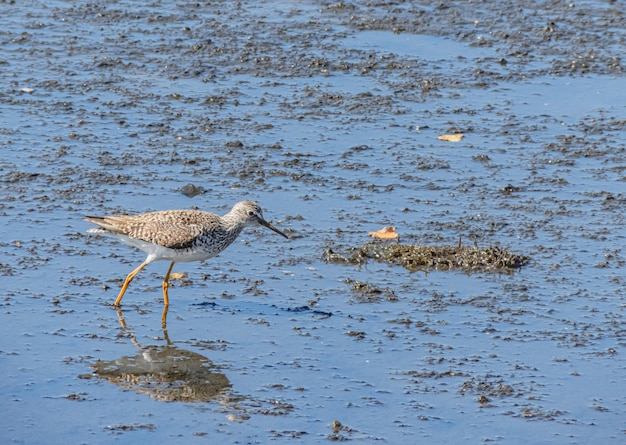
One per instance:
(328,114)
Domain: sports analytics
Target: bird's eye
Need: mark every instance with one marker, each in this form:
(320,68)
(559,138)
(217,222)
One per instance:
(251,213)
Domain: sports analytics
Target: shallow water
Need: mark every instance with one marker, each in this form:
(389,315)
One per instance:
(328,115)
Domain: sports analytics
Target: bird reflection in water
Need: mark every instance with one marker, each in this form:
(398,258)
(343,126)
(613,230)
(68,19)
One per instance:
(165,373)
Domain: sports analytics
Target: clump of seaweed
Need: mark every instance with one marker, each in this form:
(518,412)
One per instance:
(416,257)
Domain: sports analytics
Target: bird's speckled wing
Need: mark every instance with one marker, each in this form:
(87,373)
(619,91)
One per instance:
(175,229)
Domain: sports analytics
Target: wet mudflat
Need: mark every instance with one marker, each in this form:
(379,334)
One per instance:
(327,114)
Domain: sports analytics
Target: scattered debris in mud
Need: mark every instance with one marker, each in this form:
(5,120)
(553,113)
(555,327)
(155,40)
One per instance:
(191,190)
(328,113)
(368,293)
(415,257)
(359,335)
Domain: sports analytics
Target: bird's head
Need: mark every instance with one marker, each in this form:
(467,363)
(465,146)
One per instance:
(252,215)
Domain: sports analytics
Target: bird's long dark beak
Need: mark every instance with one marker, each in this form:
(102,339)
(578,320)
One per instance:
(271,227)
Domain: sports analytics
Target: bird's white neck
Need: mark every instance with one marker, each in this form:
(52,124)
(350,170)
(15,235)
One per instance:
(232,221)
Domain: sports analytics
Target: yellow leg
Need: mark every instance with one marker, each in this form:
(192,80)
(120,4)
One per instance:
(129,278)
(166,284)
(164,322)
